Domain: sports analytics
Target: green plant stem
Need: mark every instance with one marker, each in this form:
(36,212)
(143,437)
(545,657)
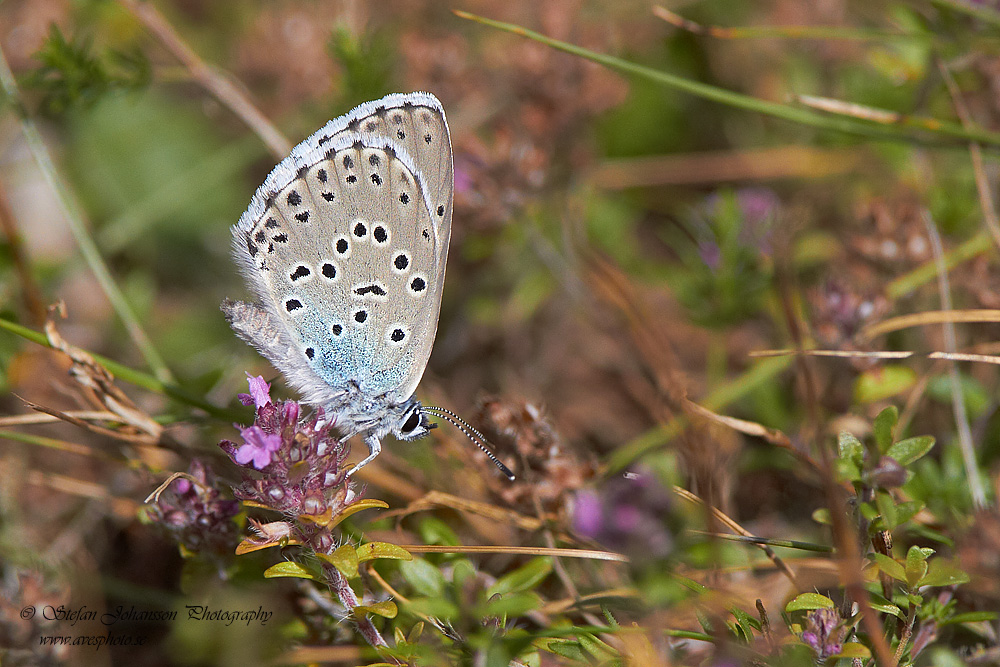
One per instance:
(74,219)
(135,377)
(902,129)
(788,544)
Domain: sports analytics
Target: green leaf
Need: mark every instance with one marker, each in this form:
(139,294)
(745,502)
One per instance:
(344,558)
(885,422)
(566,648)
(887,508)
(523,578)
(890,566)
(414,634)
(868,511)
(882,383)
(907,510)
(887,608)
(854,650)
(289,569)
(809,601)
(739,632)
(916,566)
(943,573)
(423,577)
(355,507)
(385,608)
(434,531)
(745,622)
(373,550)
(462,570)
(909,450)
(849,447)
(597,648)
(847,470)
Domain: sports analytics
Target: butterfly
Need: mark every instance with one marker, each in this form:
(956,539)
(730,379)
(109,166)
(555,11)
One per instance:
(344,247)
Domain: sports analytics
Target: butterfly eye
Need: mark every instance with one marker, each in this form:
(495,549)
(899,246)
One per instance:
(412,422)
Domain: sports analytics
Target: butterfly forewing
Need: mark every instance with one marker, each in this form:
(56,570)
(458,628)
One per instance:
(348,243)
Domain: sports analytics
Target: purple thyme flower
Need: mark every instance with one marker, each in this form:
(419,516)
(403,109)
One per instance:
(299,460)
(258,448)
(260,392)
(822,633)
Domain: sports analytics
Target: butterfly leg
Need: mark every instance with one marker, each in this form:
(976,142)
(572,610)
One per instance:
(374,448)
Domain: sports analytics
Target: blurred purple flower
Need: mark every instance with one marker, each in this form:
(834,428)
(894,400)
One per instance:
(822,633)
(463,175)
(628,514)
(757,209)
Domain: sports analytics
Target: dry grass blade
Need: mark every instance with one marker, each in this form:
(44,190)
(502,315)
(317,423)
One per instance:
(927,318)
(771,435)
(99,383)
(435,499)
(140,438)
(34,419)
(216,83)
(123,508)
(723,518)
(846,354)
(591,554)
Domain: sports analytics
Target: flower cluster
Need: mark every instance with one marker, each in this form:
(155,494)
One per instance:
(193,511)
(298,464)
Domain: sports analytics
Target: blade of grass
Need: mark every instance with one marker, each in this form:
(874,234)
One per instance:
(821,32)
(942,132)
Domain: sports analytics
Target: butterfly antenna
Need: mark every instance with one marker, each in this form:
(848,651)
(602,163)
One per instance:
(471,433)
